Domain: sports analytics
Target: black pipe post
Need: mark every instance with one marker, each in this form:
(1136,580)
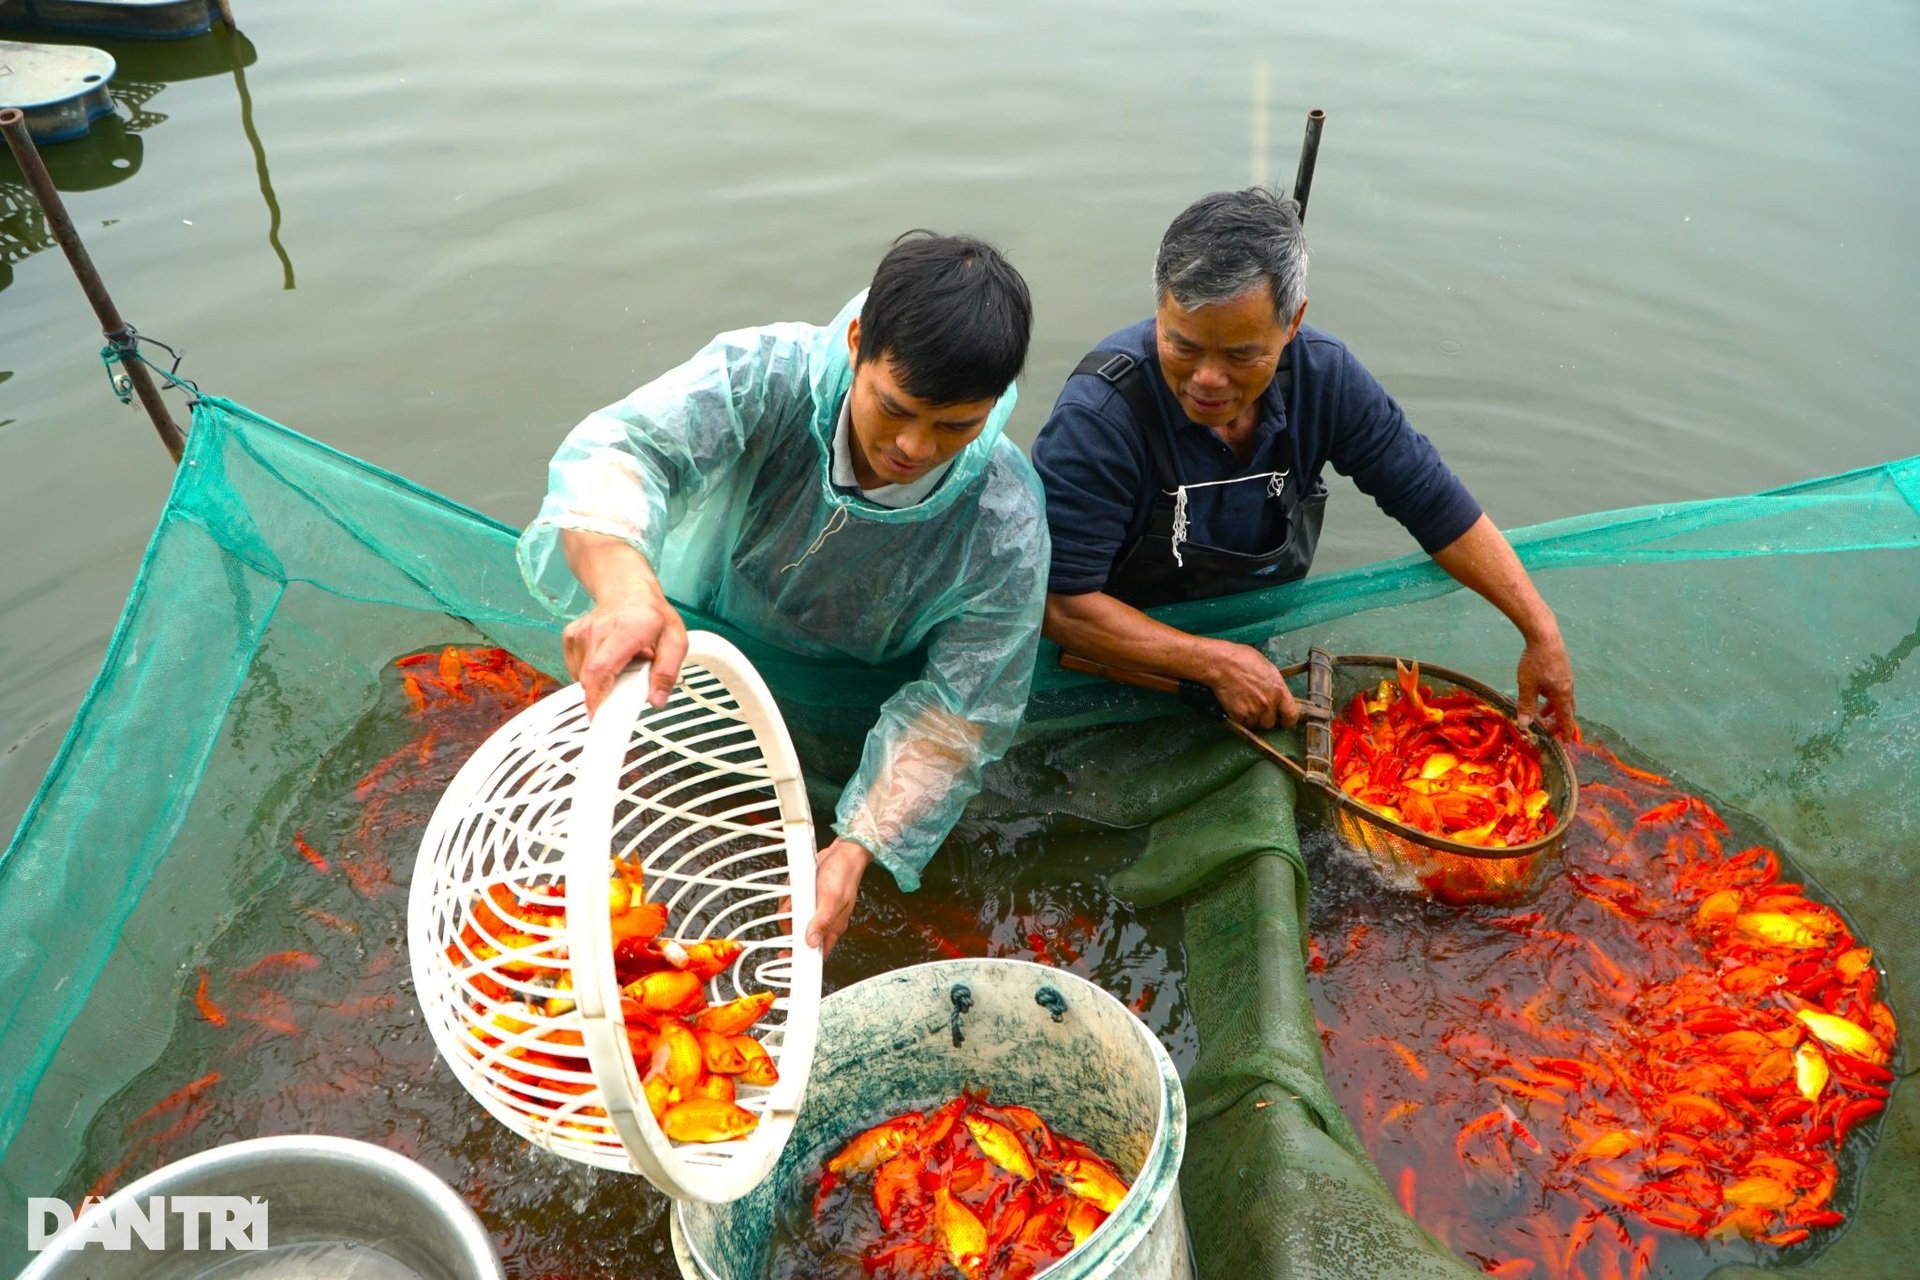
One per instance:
(1309,153)
(239,46)
(119,334)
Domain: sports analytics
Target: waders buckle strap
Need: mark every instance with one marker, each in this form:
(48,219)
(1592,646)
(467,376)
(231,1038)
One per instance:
(1126,375)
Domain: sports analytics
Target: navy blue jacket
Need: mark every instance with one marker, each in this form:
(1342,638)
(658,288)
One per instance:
(1100,482)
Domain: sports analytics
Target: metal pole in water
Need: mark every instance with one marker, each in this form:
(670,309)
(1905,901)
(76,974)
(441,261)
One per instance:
(1309,152)
(1258,169)
(240,46)
(119,334)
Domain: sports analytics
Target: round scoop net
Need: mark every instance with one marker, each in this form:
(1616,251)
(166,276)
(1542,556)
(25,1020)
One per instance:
(1420,861)
(584,883)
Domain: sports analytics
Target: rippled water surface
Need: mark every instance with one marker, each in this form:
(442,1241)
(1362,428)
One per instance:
(1604,254)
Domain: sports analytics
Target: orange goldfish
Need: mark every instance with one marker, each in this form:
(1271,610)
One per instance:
(707,1120)
(735,1016)
(963,1234)
(1090,1181)
(873,1146)
(678,1056)
(1000,1145)
(670,991)
(720,1054)
(760,1067)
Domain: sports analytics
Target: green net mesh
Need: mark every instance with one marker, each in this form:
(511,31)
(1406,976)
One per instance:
(1757,648)
(1276,1181)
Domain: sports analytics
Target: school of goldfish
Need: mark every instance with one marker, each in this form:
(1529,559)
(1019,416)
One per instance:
(1671,1042)
(691,1054)
(250,1005)
(971,1188)
(1669,1047)
(298,1015)
(1447,764)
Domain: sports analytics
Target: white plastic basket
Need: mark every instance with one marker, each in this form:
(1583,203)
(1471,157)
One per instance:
(706,794)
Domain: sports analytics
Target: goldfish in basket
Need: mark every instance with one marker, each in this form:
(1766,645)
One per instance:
(1451,765)
(691,1055)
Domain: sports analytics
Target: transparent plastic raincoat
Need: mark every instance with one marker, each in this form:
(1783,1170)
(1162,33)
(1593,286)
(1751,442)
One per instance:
(720,473)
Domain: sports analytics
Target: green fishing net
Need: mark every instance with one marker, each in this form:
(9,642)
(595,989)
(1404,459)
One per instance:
(1756,648)
(1759,649)
(1276,1182)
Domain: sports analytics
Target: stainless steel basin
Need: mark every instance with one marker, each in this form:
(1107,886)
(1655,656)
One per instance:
(336,1208)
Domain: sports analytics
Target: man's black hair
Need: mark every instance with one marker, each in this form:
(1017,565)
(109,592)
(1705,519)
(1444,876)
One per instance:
(952,314)
(1229,242)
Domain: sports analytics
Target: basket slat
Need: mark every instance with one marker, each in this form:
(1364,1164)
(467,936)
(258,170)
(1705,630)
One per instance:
(706,794)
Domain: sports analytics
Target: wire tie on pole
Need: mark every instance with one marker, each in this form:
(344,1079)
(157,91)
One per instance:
(123,347)
(118,383)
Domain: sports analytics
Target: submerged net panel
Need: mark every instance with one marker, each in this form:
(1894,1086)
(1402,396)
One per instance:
(1855,514)
(1760,649)
(281,578)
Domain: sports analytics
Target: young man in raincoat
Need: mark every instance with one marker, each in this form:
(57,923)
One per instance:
(841,492)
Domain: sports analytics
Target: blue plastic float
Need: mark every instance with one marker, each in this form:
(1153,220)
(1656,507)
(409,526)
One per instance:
(133,19)
(61,88)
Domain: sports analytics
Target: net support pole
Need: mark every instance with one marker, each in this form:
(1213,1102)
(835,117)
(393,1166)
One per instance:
(1309,154)
(119,334)
(239,46)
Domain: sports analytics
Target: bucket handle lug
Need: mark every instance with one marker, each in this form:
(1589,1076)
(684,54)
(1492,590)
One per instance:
(962,997)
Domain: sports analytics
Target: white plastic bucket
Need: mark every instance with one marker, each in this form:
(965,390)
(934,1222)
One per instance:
(1030,1035)
(332,1207)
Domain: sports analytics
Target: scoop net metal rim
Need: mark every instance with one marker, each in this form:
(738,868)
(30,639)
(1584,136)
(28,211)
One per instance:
(1554,761)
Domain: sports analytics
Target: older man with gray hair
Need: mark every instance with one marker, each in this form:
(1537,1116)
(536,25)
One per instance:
(1183,460)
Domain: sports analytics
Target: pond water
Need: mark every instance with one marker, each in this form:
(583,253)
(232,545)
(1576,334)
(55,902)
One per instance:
(1603,254)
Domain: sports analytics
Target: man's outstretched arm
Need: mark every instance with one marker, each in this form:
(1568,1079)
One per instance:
(1482,560)
(1096,625)
(631,620)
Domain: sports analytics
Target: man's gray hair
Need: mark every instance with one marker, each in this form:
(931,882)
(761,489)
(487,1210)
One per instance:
(1224,244)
